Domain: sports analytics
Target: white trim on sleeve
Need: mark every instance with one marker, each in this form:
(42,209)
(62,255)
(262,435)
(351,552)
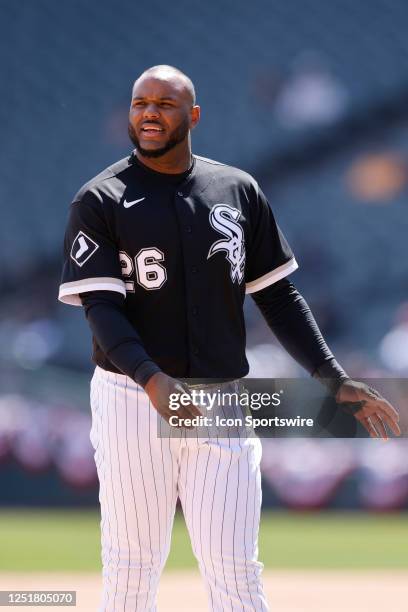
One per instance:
(69,292)
(272,277)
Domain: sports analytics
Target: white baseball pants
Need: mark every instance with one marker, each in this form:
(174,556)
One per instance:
(141,475)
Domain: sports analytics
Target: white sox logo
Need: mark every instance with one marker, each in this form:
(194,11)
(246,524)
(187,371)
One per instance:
(223,219)
(83,248)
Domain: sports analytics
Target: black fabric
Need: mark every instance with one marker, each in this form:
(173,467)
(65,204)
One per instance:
(167,178)
(290,318)
(182,251)
(284,309)
(331,375)
(268,248)
(118,339)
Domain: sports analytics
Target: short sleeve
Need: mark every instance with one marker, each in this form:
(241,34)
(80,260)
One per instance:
(269,256)
(91,257)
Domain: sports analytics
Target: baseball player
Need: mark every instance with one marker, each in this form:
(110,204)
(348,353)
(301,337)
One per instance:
(160,249)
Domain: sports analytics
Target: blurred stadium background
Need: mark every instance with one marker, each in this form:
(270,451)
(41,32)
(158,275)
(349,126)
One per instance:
(309,96)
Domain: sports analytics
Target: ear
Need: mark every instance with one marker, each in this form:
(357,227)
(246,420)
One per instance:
(195,116)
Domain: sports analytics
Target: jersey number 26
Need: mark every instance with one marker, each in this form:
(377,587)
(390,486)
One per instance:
(150,273)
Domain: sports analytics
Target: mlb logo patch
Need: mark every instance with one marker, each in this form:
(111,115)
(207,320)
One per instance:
(83,248)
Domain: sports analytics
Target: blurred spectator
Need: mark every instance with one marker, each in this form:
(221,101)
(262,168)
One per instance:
(270,361)
(311,95)
(384,481)
(393,348)
(377,178)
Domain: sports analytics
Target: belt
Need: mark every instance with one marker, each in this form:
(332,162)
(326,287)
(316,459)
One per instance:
(207,385)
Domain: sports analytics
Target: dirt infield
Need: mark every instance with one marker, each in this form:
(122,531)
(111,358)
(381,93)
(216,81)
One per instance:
(287,591)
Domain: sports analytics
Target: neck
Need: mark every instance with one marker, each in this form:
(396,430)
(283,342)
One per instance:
(173,162)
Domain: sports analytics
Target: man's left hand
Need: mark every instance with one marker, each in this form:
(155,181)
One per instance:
(368,406)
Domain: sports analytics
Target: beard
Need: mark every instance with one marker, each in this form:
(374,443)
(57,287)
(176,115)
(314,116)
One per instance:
(175,137)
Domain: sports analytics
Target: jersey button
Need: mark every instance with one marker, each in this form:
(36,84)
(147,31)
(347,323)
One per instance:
(194,310)
(194,269)
(180,193)
(189,229)
(195,351)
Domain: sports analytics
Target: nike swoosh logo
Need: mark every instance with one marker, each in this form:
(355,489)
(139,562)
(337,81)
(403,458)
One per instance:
(129,204)
(82,247)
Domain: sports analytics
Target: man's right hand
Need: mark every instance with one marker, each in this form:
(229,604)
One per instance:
(159,388)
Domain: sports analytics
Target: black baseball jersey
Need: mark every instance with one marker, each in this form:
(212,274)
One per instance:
(183,250)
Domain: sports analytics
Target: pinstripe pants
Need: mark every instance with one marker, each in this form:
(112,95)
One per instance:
(141,475)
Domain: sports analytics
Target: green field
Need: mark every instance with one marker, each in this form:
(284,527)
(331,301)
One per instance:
(69,541)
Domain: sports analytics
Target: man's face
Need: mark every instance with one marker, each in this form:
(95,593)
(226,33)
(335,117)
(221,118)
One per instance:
(161,115)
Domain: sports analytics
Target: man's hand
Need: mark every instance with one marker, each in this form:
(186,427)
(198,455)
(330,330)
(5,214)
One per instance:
(369,408)
(159,388)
